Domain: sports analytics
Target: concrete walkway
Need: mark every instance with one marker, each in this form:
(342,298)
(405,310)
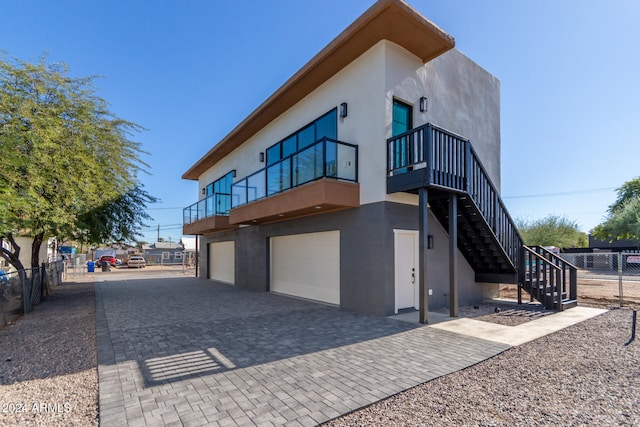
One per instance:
(185,351)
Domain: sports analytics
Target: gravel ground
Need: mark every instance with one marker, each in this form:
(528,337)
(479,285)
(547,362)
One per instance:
(48,362)
(582,375)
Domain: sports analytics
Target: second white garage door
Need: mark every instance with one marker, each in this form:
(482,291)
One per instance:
(307,266)
(222,266)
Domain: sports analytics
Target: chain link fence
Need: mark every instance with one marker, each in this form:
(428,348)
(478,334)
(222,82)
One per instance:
(610,279)
(21,290)
(76,266)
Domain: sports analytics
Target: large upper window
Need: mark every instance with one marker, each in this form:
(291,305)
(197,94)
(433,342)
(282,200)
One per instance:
(220,189)
(324,126)
(221,186)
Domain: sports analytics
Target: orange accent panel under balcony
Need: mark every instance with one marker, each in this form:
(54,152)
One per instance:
(317,197)
(207,225)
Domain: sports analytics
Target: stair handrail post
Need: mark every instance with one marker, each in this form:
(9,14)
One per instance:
(573,283)
(429,153)
(467,166)
(556,290)
(494,211)
(564,281)
(559,286)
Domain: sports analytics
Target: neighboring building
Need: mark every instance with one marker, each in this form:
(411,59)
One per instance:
(163,253)
(322,192)
(622,245)
(190,250)
(5,245)
(124,251)
(25,244)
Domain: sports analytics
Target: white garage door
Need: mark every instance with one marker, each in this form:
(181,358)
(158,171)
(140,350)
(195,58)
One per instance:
(222,262)
(307,266)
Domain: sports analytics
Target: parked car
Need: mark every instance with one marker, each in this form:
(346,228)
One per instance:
(136,261)
(113,262)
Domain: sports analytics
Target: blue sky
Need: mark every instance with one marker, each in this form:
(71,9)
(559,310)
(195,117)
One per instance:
(190,71)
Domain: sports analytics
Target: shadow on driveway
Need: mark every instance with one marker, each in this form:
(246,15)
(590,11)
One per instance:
(182,328)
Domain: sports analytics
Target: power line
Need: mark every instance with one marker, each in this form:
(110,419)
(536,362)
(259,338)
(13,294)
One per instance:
(162,225)
(564,193)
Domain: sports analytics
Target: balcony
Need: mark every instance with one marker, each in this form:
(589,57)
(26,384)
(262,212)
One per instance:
(207,215)
(316,197)
(317,179)
(320,178)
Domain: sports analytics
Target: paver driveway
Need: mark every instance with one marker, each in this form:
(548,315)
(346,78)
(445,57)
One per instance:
(187,351)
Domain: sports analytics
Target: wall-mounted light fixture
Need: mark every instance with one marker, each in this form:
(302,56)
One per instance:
(233,173)
(204,191)
(343,110)
(429,241)
(424,104)
(261,157)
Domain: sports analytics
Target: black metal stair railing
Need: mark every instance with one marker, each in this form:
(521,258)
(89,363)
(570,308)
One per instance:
(450,163)
(548,278)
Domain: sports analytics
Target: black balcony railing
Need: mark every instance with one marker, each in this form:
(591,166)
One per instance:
(326,158)
(217,204)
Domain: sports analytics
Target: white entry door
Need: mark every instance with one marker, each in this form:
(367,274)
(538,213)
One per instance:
(406,268)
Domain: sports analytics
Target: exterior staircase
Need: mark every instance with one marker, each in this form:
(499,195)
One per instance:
(448,166)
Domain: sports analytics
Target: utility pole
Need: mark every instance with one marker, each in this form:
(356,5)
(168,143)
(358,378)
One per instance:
(158,239)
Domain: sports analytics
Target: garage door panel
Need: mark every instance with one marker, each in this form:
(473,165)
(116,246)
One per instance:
(307,266)
(222,266)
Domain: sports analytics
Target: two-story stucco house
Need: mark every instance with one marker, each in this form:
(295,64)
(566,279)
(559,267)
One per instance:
(369,180)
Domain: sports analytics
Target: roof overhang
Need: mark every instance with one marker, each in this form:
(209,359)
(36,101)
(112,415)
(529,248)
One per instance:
(392,20)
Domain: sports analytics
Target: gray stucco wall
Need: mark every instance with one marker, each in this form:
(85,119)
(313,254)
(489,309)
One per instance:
(465,99)
(367,256)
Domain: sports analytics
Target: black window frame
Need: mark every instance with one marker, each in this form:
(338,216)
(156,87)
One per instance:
(277,147)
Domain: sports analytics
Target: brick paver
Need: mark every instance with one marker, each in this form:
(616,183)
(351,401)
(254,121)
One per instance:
(186,351)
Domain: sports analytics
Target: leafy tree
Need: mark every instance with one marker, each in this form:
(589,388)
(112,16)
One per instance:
(552,230)
(623,218)
(140,244)
(630,190)
(63,153)
(117,221)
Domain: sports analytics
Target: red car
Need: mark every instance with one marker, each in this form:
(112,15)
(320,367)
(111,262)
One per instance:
(113,262)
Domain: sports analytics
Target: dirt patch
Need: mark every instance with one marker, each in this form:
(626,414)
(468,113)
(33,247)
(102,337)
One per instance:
(48,362)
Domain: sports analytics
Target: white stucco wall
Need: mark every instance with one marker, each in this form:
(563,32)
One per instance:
(463,98)
(360,85)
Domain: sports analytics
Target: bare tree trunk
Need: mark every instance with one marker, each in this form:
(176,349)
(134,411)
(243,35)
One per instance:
(35,249)
(11,256)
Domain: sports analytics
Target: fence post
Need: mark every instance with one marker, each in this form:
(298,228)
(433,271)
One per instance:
(44,281)
(26,294)
(620,278)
